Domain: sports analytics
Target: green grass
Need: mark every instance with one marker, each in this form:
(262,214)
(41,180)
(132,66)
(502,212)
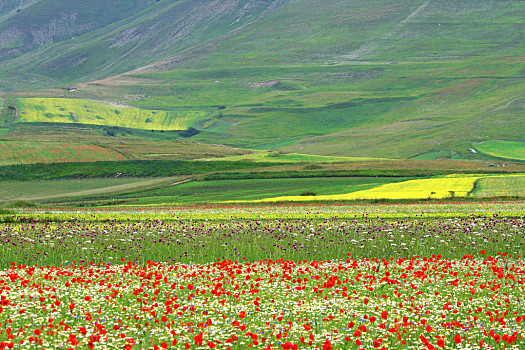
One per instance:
(507,186)
(433,155)
(323,232)
(503,149)
(400,108)
(71,111)
(336,263)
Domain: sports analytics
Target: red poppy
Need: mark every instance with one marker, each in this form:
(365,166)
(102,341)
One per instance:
(198,339)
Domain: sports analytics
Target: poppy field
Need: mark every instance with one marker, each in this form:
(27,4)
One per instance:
(128,279)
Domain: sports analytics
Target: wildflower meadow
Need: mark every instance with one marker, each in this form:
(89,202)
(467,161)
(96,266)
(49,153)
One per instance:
(328,277)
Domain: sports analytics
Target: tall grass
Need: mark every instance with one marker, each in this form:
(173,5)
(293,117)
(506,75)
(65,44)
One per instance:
(294,239)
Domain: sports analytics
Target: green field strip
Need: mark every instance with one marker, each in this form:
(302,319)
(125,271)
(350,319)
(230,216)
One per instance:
(316,211)
(504,186)
(503,149)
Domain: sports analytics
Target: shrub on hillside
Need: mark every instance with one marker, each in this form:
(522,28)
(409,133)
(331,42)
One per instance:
(308,193)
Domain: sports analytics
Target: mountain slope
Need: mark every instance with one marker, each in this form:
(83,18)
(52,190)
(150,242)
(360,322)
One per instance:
(403,79)
(72,41)
(359,31)
(40,23)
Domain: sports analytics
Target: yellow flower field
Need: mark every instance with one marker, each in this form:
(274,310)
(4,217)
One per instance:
(411,189)
(63,110)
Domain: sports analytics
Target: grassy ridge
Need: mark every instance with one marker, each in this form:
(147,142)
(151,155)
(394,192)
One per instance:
(28,25)
(388,79)
(350,110)
(391,82)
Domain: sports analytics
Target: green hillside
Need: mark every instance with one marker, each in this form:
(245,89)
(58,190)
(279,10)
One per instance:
(422,79)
